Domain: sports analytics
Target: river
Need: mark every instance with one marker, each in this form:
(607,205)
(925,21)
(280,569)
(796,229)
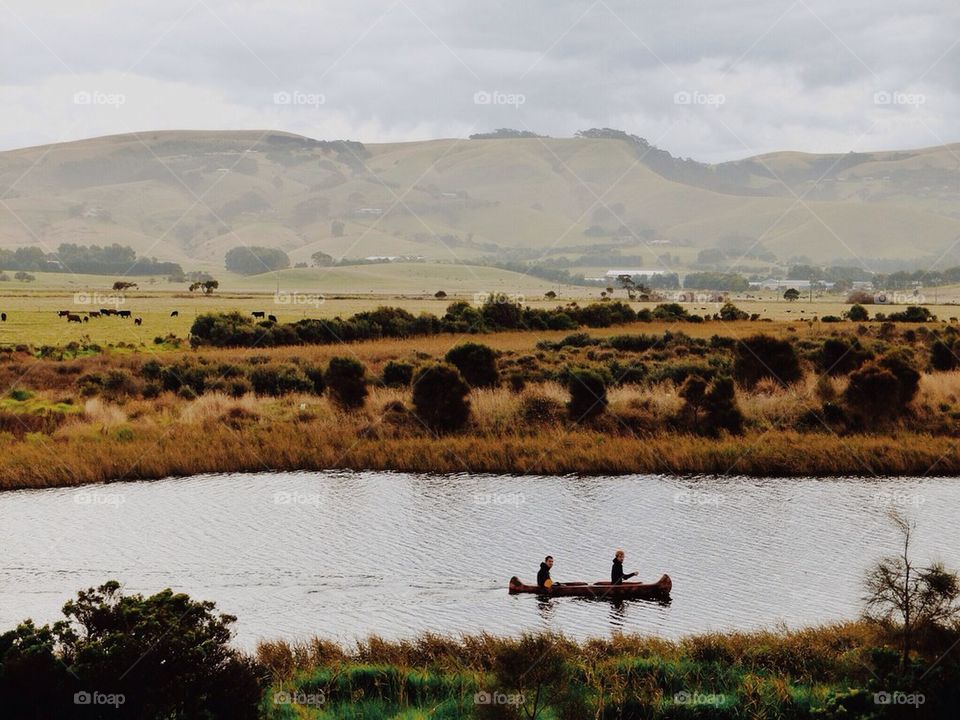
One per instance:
(347,554)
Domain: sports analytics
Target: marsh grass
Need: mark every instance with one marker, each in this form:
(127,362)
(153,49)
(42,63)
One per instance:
(775,673)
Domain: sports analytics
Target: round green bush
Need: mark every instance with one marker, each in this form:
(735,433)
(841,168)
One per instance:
(440,397)
(588,394)
(346,381)
(476,362)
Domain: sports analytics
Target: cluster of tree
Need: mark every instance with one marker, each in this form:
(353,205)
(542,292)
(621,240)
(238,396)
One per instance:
(497,313)
(505,134)
(716,281)
(833,273)
(253,260)
(112,259)
(903,280)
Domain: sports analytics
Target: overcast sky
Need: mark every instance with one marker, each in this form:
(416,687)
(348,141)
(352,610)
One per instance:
(713,80)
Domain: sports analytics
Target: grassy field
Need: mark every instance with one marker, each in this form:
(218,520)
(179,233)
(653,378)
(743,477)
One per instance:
(32,308)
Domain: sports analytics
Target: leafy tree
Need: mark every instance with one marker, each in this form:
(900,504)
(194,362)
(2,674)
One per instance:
(345,379)
(791,294)
(209,286)
(24,276)
(919,599)
(322,259)
(588,394)
(440,294)
(762,356)
(477,364)
(121,285)
(550,295)
(254,259)
(440,397)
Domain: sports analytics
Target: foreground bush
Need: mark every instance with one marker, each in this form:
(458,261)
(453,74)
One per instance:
(588,394)
(163,656)
(477,364)
(763,357)
(440,397)
(345,379)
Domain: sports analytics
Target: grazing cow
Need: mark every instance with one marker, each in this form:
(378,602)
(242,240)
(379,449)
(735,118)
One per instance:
(107,311)
(175,313)
(138,321)
(124,313)
(3,317)
(272,318)
(258,313)
(86,318)
(93,313)
(73,318)
(62,313)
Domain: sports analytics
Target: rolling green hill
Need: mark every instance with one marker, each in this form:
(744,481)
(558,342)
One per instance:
(189,196)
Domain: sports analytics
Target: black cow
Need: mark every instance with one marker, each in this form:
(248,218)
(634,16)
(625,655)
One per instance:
(73,318)
(124,313)
(3,317)
(258,313)
(93,313)
(272,318)
(138,321)
(107,311)
(175,313)
(62,313)
(86,318)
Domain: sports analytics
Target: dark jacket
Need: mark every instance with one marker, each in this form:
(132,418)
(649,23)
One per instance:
(617,575)
(543,575)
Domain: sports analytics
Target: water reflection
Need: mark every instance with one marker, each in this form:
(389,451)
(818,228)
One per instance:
(344,555)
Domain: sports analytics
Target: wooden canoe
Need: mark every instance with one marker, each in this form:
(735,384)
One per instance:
(660,590)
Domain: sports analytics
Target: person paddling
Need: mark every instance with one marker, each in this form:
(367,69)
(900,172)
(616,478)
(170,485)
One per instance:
(617,575)
(543,576)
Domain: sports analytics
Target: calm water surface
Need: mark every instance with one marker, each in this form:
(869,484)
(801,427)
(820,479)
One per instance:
(345,555)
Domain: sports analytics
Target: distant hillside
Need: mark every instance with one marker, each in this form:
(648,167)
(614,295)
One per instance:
(190,196)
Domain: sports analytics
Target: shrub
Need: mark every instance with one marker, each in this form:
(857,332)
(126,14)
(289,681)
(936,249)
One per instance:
(397,374)
(762,356)
(588,394)
(858,313)
(185,666)
(440,397)
(907,376)
(477,364)
(839,357)
(539,409)
(345,379)
(517,382)
(670,312)
(942,357)
(872,390)
(722,410)
(276,380)
(710,409)
(729,311)
(913,313)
